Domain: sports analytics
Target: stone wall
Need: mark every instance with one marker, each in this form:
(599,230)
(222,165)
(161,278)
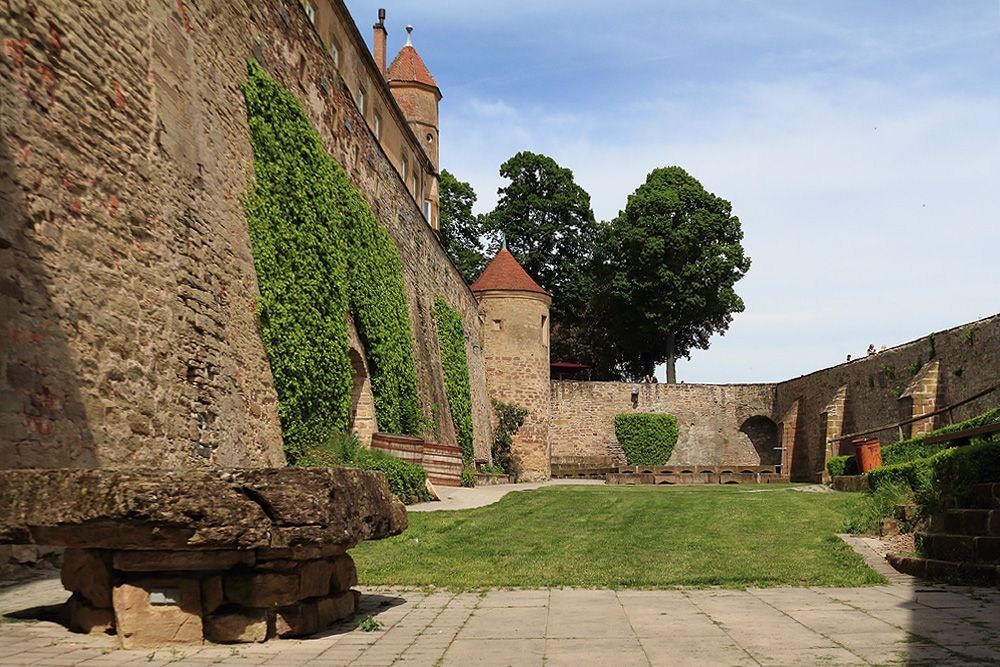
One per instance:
(886,388)
(127,286)
(717,424)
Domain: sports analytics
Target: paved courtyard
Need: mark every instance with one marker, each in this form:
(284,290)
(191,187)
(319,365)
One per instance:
(898,624)
(906,622)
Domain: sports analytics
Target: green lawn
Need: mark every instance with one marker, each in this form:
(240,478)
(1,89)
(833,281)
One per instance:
(626,537)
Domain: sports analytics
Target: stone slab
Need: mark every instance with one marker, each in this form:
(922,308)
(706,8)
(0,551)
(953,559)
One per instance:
(151,509)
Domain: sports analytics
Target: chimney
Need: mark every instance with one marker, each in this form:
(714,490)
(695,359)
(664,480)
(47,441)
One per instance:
(380,35)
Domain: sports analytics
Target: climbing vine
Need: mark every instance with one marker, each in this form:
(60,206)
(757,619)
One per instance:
(647,439)
(318,250)
(297,232)
(510,418)
(451,337)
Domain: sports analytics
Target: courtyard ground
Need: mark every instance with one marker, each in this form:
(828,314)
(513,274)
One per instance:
(906,622)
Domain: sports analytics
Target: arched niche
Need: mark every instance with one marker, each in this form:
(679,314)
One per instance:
(763,433)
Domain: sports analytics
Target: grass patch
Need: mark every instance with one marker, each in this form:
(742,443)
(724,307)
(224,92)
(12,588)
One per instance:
(626,537)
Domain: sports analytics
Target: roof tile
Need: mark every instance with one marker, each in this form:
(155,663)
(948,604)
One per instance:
(504,273)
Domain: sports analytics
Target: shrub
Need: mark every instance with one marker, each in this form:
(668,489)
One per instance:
(451,336)
(468,477)
(842,465)
(510,418)
(946,478)
(407,480)
(914,448)
(646,439)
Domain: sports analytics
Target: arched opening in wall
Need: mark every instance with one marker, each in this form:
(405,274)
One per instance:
(362,403)
(763,434)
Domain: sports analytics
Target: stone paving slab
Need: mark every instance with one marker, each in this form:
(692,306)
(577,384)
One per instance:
(898,624)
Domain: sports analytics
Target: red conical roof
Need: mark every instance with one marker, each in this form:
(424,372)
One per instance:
(504,273)
(409,67)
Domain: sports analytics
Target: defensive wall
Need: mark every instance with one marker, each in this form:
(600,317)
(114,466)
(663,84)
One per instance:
(127,284)
(904,381)
(744,423)
(716,423)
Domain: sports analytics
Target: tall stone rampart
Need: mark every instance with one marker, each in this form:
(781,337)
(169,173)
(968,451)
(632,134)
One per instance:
(127,283)
(717,424)
(889,387)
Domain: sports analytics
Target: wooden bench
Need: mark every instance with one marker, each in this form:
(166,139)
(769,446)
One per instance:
(963,437)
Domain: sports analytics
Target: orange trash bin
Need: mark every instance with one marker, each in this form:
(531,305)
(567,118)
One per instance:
(867,453)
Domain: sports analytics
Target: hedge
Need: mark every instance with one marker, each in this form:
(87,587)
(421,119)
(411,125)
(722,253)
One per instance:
(646,439)
(913,448)
(946,478)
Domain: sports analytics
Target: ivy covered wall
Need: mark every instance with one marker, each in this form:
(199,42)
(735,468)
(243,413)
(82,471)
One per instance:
(451,337)
(318,251)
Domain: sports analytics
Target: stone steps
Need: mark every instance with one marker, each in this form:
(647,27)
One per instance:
(962,544)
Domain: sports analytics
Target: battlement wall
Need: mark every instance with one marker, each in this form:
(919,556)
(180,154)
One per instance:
(127,283)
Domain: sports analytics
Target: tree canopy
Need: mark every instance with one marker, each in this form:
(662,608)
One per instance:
(460,227)
(546,220)
(671,259)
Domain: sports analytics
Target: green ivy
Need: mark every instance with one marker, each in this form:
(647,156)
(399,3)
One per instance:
(316,241)
(647,439)
(378,301)
(510,418)
(297,231)
(451,336)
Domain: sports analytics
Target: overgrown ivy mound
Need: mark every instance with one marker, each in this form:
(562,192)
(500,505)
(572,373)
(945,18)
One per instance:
(451,336)
(647,439)
(319,250)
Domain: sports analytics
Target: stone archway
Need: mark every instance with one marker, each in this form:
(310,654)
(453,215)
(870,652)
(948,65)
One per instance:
(363,421)
(763,434)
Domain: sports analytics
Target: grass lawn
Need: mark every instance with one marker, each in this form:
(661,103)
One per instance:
(626,537)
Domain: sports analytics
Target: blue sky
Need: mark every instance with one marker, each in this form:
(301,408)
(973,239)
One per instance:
(859,143)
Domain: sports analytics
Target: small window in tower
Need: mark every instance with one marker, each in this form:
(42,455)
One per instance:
(427,209)
(545,332)
(335,52)
(310,11)
(378,126)
(430,138)
(498,325)
(402,171)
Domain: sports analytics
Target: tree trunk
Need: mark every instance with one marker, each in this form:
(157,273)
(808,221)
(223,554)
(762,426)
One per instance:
(671,366)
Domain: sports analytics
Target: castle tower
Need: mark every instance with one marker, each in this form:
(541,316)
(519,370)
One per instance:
(515,315)
(417,95)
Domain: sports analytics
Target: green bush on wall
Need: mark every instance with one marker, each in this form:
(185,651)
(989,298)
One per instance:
(315,242)
(451,336)
(647,439)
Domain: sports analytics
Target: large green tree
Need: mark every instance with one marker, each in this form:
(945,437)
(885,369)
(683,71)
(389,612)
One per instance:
(547,222)
(670,261)
(460,227)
